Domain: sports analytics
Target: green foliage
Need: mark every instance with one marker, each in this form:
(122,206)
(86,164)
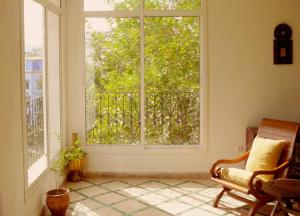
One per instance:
(171,77)
(58,164)
(73,152)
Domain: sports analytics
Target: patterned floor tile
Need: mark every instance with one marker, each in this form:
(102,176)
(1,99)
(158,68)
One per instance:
(153,186)
(170,192)
(115,185)
(174,207)
(197,212)
(129,206)
(151,212)
(135,181)
(201,197)
(213,210)
(78,185)
(99,180)
(171,182)
(75,196)
(109,198)
(188,187)
(107,212)
(92,191)
(209,192)
(133,191)
(206,182)
(85,205)
(152,199)
(190,200)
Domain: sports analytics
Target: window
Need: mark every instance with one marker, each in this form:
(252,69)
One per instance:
(39,84)
(41,79)
(35,101)
(27,83)
(53,83)
(142,71)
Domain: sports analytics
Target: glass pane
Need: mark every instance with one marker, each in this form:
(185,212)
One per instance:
(114,5)
(112,80)
(171,4)
(35,88)
(172,80)
(53,80)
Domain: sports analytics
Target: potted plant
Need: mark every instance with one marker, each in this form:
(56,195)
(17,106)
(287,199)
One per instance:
(74,157)
(58,199)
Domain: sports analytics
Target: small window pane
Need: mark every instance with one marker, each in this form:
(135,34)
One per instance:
(53,79)
(114,5)
(172,81)
(35,76)
(171,4)
(112,80)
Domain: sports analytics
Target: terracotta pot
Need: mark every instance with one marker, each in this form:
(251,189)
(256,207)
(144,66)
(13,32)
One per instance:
(58,201)
(76,165)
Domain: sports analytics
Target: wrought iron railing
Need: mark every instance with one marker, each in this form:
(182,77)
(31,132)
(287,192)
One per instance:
(35,129)
(171,117)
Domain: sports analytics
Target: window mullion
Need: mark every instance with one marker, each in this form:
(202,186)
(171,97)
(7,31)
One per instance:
(172,13)
(46,87)
(142,91)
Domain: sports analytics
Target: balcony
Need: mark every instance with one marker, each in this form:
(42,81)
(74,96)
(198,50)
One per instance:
(171,118)
(35,129)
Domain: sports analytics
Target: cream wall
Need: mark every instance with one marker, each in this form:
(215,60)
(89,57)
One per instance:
(12,192)
(243,85)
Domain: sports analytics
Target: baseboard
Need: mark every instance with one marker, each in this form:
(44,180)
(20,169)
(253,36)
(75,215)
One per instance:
(92,174)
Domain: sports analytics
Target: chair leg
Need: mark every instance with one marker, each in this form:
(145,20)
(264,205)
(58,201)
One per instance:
(254,208)
(274,210)
(282,207)
(279,206)
(217,199)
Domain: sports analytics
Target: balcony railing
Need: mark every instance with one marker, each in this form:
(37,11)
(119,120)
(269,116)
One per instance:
(35,129)
(171,117)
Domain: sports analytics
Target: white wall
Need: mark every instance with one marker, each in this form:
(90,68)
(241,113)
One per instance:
(12,192)
(243,85)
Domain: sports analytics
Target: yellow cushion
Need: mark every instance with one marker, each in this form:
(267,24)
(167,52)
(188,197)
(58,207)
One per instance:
(264,155)
(237,176)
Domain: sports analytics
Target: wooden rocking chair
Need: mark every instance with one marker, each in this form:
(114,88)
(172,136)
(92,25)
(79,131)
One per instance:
(268,129)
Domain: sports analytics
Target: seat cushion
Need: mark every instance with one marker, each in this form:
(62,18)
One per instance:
(264,155)
(237,176)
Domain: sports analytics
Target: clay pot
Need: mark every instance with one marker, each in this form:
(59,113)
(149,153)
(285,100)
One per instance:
(76,165)
(58,201)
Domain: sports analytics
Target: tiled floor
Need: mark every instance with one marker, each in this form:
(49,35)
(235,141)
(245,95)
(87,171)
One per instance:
(149,197)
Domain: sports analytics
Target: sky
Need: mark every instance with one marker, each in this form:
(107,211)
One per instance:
(34,20)
(100,5)
(33,24)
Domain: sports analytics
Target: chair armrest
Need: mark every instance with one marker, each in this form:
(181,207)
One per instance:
(253,183)
(227,161)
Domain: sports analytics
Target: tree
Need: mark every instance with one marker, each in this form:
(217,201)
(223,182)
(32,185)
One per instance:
(171,77)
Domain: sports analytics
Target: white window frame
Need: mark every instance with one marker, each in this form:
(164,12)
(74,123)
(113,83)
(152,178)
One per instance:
(201,13)
(47,6)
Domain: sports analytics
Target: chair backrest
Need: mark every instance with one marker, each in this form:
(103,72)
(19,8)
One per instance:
(280,130)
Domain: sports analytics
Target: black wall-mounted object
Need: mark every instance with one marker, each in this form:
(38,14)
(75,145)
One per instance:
(283,45)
